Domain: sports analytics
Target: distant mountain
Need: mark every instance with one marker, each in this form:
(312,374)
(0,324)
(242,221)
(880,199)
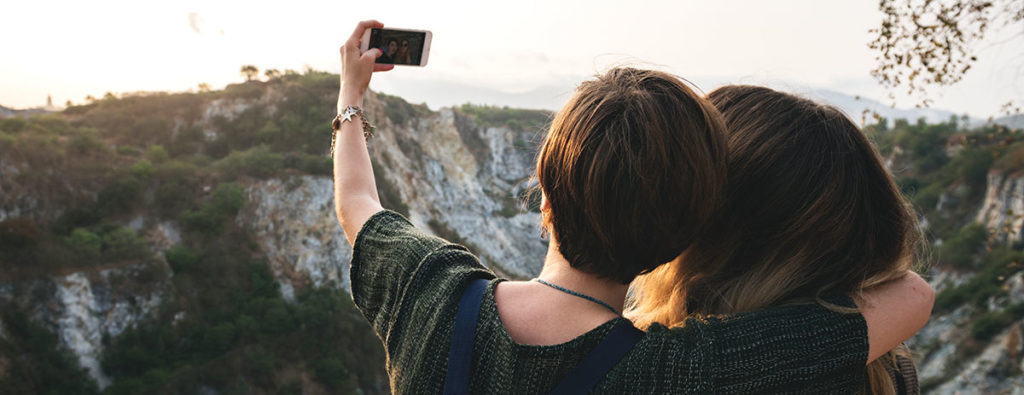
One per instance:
(10,112)
(551,97)
(857,106)
(1013,121)
(439,93)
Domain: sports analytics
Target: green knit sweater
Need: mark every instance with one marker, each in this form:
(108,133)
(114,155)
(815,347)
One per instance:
(408,285)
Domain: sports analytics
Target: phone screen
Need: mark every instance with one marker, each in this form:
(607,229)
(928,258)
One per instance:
(398,46)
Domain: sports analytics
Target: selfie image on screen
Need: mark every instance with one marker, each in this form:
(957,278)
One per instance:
(398,47)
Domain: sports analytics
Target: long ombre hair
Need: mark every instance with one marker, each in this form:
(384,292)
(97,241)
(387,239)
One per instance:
(809,210)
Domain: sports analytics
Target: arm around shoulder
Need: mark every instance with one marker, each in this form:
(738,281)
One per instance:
(895,311)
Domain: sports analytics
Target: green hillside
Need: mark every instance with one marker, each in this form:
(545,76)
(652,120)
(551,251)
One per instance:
(108,161)
(88,171)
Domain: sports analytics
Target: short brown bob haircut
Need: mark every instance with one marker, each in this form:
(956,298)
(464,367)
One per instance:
(632,167)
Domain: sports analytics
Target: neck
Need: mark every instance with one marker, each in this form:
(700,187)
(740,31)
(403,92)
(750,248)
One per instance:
(558,271)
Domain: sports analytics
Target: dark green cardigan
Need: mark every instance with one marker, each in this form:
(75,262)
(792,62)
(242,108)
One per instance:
(408,285)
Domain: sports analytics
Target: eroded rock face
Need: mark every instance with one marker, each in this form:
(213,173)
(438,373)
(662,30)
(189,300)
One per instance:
(1002,211)
(990,372)
(460,182)
(950,361)
(935,345)
(83,307)
(293,220)
(458,178)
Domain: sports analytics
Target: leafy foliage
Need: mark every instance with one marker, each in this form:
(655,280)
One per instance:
(995,267)
(400,111)
(34,364)
(227,199)
(991,323)
(959,250)
(920,45)
(513,118)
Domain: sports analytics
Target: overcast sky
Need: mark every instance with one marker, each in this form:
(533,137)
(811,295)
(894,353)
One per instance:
(73,49)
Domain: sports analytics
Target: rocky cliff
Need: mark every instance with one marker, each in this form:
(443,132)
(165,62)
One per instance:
(951,361)
(462,173)
(976,347)
(85,307)
(447,173)
(1002,210)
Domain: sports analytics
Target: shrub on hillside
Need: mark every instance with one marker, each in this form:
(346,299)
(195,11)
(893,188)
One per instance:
(513,118)
(85,242)
(128,150)
(309,164)
(76,217)
(227,199)
(257,162)
(959,251)
(40,364)
(120,196)
(142,169)
(123,243)
(7,140)
(13,125)
(47,124)
(995,266)
(157,153)
(991,323)
(269,132)
(400,111)
(331,371)
(87,140)
(972,165)
(177,186)
(249,91)
(180,257)
(18,233)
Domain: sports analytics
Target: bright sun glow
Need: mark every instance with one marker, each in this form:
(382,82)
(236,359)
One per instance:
(74,49)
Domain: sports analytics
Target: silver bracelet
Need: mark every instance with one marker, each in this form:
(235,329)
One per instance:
(346,115)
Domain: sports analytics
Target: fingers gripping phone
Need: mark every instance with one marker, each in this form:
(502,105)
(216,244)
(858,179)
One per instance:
(398,46)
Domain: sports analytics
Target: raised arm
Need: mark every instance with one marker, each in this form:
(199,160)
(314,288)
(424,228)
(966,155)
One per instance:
(355,192)
(895,311)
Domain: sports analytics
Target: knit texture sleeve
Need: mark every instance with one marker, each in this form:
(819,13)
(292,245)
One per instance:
(386,252)
(407,284)
(790,349)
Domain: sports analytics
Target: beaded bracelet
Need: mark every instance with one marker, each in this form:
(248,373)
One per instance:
(347,116)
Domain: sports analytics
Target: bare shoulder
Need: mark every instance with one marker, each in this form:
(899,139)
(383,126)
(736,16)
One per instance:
(534,314)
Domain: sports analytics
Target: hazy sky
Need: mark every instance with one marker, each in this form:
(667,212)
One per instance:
(73,49)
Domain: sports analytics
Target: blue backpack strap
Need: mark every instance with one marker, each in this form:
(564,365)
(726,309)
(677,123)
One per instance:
(600,360)
(460,353)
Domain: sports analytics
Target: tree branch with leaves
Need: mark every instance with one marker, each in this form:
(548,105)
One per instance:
(925,44)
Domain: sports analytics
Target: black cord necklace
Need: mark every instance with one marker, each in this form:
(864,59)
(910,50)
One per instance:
(577,294)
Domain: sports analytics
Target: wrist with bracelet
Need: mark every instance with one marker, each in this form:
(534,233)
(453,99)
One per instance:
(346,116)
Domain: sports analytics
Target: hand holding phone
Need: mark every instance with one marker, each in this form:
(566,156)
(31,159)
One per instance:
(402,47)
(358,66)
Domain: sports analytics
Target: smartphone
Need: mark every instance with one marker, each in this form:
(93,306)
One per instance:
(399,46)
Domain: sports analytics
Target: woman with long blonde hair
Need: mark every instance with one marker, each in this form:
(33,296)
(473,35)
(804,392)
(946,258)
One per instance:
(809,212)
